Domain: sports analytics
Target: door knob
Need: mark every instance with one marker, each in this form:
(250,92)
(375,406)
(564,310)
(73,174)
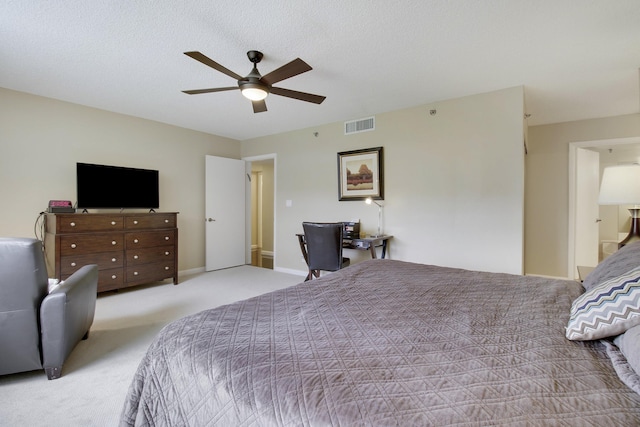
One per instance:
(598,220)
(210,219)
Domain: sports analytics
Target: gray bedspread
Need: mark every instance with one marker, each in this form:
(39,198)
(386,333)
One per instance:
(384,343)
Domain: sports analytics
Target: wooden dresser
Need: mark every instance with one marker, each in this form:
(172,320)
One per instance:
(129,248)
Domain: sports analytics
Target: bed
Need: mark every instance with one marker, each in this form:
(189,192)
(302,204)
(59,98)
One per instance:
(391,343)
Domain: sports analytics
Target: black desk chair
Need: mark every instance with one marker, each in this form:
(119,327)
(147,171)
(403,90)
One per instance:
(323,247)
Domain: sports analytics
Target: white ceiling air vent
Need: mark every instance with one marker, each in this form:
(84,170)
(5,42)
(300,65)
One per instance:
(360,125)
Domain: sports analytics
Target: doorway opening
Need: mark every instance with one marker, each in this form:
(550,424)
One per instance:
(262,212)
(610,218)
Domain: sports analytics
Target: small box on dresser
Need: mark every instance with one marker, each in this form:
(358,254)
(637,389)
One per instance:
(129,248)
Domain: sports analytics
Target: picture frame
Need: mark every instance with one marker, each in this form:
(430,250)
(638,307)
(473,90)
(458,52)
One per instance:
(360,174)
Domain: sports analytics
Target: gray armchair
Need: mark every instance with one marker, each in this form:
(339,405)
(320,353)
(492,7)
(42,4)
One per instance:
(38,330)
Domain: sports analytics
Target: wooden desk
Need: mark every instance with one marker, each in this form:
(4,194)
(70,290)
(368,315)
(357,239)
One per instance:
(368,243)
(363,244)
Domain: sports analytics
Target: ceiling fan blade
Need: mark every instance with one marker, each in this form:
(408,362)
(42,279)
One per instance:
(215,89)
(293,68)
(302,96)
(213,64)
(259,106)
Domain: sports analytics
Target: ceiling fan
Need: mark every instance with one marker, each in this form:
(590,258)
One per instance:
(255,86)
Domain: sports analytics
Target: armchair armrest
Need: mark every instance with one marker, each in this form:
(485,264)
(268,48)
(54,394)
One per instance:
(66,315)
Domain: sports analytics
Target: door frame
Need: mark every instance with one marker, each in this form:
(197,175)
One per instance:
(248,160)
(573,149)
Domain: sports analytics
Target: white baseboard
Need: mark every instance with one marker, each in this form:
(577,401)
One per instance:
(279,269)
(191,271)
(549,277)
(291,271)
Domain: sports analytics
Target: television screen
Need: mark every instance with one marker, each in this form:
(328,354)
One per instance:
(101,186)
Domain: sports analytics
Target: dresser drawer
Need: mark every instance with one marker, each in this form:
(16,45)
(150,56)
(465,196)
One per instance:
(139,256)
(150,221)
(82,223)
(91,243)
(109,279)
(71,263)
(112,278)
(145,239)
(150,272)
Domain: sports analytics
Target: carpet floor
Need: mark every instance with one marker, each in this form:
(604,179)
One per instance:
(96,376)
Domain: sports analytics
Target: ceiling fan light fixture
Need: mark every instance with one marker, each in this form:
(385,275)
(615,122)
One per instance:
(254,92)
(256,87)
(252,87)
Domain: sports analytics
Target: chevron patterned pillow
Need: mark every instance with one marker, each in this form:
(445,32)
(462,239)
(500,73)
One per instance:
(607,310)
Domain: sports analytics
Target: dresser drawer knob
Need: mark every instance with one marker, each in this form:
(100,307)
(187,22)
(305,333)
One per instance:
(113,260)
(166,221)
(113,243)
(166,268)
(73,264)
(73,224)
(114,277)
(135,273)
(167,252)
(166,237)
(136,257)
(135,240)
(73,246)
(113,223)
(135,222)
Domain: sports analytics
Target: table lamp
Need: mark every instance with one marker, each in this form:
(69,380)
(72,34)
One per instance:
(368,201)
(621,186)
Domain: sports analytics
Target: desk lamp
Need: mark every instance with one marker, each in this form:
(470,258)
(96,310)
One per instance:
(621,186)
(368,201)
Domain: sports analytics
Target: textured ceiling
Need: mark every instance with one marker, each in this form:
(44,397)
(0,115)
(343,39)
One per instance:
(576,59)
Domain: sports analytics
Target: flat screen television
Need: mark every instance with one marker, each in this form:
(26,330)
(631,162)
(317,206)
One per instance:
(116,187)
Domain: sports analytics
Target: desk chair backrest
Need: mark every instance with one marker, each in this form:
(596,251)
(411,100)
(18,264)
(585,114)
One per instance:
(324,245)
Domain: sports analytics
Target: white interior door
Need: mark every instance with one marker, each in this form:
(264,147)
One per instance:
(587,208)
(224,212)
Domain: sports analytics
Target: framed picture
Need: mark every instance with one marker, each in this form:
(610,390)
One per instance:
(360,174)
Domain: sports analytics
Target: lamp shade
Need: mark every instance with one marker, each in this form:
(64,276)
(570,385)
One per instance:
(620,185)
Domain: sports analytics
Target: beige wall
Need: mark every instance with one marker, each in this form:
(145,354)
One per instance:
(454,182)
(547,181)
(41,140)
(450,178)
